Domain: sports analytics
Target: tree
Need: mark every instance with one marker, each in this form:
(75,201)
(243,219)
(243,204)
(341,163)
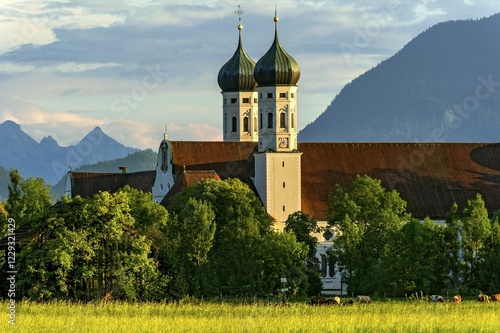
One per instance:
(489,271)
(87,248)
(414,260)
(235,263)
(279,255)
(366,215)
(303,227)
(454,246)
(14,203)
(198,226)
(475,231)
(28,199)
(3,218)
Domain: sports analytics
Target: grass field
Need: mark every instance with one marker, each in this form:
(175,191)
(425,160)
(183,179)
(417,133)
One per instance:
(401,316)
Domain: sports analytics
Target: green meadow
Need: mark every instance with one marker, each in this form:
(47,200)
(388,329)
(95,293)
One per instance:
(114,317)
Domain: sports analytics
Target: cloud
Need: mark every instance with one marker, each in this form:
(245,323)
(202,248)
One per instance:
(33,22)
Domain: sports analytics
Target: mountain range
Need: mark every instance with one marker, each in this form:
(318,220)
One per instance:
(47,159)
(443,86)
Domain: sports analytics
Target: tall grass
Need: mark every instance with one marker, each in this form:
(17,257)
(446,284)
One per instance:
(210,317)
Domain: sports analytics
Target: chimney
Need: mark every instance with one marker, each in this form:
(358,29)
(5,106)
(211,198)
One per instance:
(123,169)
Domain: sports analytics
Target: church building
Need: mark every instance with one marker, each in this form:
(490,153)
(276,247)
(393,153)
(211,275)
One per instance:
(260,147)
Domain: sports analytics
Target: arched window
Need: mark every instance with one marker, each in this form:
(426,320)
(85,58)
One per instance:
(331,269)
(233,124)
(225,123)
(245,124)
(282,120)
(293,120)
(255,124)
(269,120)
(324,265)
(260,120)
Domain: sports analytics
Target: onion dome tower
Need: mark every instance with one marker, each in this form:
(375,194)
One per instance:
(277,74)
(277,162)
(239,95)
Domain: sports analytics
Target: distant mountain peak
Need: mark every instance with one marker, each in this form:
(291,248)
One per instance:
(19,150)
(9,125)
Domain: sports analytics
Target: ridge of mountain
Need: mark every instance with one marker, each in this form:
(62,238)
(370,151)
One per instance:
(48,159)
(443,86)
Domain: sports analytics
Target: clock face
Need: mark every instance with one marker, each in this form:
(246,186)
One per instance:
(283,142)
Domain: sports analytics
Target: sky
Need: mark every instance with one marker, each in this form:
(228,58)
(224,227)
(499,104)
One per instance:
(136,67)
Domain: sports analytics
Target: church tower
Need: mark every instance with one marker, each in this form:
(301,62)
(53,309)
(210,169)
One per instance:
(239,95)
(164,179)
(277,162)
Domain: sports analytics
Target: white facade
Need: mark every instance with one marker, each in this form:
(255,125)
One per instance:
(277,118)
(164,179)
(330,278)
(278,182)
(240,116)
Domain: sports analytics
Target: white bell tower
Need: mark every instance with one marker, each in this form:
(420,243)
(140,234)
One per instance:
(277,162)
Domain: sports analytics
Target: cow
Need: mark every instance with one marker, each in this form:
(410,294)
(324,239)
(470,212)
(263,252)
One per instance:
(317,300)
(457,299)
(321,300)
(495,298)
(333,301)
(483,298)
(435,298)
(364,299)
(349,303)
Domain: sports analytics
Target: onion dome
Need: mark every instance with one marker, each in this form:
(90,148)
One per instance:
(276,67)
(237,74)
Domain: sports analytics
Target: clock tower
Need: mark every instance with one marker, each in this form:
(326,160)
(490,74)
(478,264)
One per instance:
(278,162)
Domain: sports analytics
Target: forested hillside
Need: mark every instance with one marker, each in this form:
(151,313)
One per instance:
(444,86)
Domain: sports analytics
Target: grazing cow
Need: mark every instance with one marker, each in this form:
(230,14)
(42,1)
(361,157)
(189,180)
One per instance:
(317,300)
(483,298)
(457,299)
(364,299)
(495,298)
(349,303)
(435,298)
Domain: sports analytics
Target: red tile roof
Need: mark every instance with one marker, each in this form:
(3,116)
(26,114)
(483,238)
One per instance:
(86,184)
(429,176)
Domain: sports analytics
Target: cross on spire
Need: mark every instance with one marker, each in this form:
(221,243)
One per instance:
(239,12)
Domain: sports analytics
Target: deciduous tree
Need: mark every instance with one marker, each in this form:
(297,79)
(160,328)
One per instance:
(366,215)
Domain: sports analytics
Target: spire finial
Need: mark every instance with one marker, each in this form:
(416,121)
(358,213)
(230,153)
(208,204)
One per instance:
(276,19)
(240,13)
(165,133)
